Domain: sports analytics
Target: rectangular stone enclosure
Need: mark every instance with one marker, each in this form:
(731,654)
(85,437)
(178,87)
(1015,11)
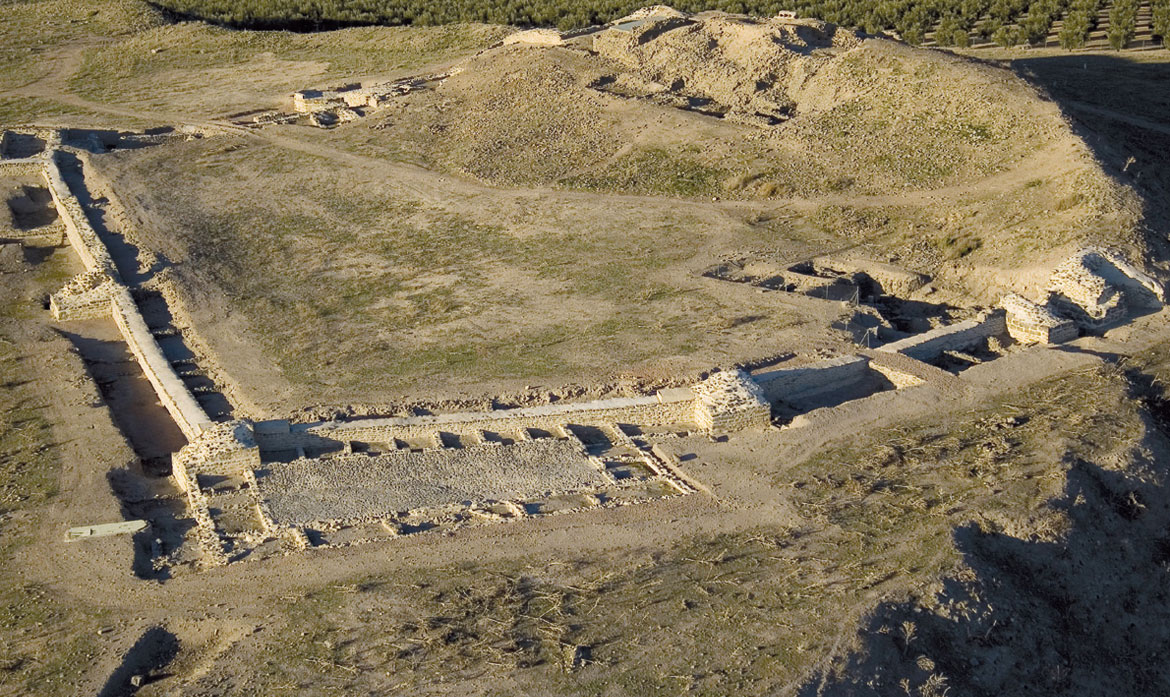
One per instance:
(368,487)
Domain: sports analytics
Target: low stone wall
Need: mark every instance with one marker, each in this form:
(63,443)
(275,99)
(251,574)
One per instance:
(171,389)
(1029,322)
(953,337)
(807,380)
(82,236)
(26,166)
(664,408)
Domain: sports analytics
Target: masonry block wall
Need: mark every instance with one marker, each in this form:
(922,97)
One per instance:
(99,291)
(808,380)
(667,407)
(172,391)
(1029,323)
(731,401)
(953,337)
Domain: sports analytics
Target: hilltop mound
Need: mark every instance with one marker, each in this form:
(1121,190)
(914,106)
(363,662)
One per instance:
(749,67)
(667,103)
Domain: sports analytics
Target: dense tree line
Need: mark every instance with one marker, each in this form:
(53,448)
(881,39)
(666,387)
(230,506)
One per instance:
(1122,23)
(1006,22)
(1078,22)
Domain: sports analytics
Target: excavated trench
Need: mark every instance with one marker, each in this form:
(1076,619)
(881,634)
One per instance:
(144,488)
(153,306)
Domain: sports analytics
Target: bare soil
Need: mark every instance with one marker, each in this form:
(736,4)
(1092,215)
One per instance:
(998,533)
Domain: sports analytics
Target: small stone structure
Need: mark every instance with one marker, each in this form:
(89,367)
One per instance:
(802,382)
(1082,294)
(329,107)
(731,401)
(889,279)
(221,448)
(1098,287)
(86,296)
(1030,323)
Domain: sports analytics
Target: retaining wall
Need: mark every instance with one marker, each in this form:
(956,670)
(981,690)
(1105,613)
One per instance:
(807,380)
(664,408)
(953,337)
(82,236)
(171,389)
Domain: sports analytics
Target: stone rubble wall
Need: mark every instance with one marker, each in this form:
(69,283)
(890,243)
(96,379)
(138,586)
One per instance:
(86,296)
(953,337)
(731,401)
(1132,273)
(101,285)
(667,407)
(171,390)
(24,166)
(1030,323)
(807,380)
(1076,280)
(221,448)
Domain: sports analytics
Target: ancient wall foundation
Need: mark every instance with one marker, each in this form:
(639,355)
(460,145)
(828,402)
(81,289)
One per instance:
(667,407)
(953,337)
(805,381)
(1030,323)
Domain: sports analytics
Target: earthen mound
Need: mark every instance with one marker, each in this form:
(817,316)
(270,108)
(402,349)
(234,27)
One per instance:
(747,66)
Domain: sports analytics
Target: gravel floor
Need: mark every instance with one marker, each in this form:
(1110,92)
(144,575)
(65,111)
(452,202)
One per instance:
(361,486)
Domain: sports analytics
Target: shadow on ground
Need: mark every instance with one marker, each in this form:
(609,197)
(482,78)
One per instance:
(1086,612)
(1121,108)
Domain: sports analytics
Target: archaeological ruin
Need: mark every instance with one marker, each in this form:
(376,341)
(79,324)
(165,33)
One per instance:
(258,487)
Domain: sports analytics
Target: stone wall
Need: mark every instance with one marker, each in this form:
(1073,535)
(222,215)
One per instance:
(807,380)
(15,168)
(1029,323)
(891,279)
(731,401)
(86,296)
(99,291)
(82,236)
(953,337)
(221,448)
(668,407)
(172,391)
